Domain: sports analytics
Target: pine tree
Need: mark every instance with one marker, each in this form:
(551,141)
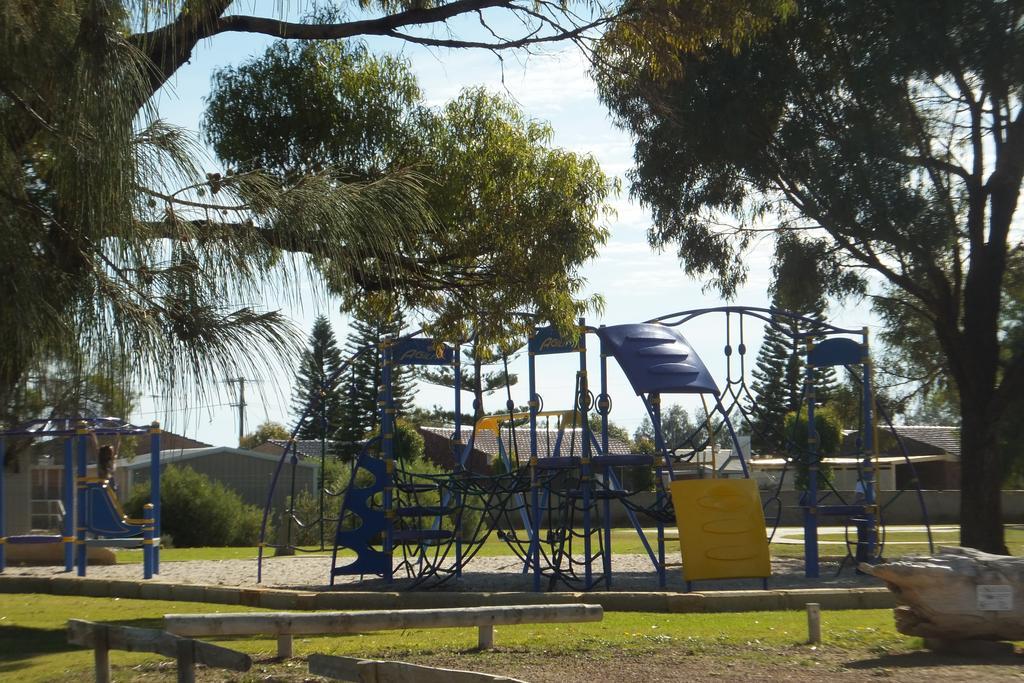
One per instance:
(370,326)
(320,361)
(472,377)
(778,376)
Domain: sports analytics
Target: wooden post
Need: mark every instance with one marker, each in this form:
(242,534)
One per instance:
(104,637)
(813,623)
(319,623)
(186,660)
(101,653)
(485,641)
(284,647)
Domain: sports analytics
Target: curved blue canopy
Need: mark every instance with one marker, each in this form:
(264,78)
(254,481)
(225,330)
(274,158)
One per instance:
(657,359)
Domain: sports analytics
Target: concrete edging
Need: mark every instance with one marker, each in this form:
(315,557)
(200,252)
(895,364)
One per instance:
(297,600)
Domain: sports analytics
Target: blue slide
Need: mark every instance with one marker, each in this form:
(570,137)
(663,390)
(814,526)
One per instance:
(104,516)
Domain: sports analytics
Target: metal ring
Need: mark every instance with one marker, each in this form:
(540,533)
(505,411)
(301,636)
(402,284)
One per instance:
(589,401)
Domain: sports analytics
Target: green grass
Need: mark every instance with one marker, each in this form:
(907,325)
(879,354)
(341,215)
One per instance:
(624,542)
(902,543)
(34,646)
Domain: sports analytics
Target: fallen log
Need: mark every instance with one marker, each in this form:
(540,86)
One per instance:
(958,594)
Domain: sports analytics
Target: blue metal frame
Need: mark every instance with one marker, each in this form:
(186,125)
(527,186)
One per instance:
(75,495)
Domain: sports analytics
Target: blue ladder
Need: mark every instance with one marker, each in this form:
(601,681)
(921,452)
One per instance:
(372,523)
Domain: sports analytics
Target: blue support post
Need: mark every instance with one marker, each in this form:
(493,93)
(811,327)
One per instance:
(534,554)
(387,434)
(148,551)
(68,496)
(82,437)
(867,529)
(154,489)
(462,454)
(604,407)
(812,459)
(3,529)
(659,443)
(586,473)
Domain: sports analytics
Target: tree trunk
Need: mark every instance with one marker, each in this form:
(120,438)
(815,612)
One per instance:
(478,388)
(981,515)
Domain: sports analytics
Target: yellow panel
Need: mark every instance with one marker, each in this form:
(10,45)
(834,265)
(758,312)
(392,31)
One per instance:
(721,529)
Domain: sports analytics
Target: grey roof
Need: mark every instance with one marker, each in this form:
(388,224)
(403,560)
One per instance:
(178,455)
(306,448)
(486,441)
(946,439)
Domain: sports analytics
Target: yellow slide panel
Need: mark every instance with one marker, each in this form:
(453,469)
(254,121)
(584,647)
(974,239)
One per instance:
(721,529)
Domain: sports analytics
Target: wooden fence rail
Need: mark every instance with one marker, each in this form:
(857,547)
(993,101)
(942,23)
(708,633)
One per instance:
(372,671)
(105,637)
(287,624)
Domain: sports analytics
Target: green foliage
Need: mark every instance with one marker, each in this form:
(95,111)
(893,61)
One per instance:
(376,318)
(265,432)
(520,218)
(881,135)
(677,429)
(471,515)
(326,402)
(779,372)
(119,244)
(198,512)
(828,428)
(434,416)
(472,378)
(335,104)
(645,444)
(408,444)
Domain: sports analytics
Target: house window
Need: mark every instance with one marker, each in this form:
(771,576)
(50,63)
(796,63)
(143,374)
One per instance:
(45,505)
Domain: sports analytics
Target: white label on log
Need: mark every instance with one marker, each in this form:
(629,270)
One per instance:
(995,598)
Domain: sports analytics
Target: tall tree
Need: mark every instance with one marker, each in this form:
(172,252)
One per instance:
(778,377)
(520,217)
(265,432)
(889,133)
(677,429)
(119,240)
(117,244)
(316,396)
(472,377)
(375,320)
(777,383)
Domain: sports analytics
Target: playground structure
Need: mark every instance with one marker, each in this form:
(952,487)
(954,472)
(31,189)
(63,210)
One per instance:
(553,505)
(92,514)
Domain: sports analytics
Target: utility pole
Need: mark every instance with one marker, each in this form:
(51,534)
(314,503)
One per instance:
(241,406)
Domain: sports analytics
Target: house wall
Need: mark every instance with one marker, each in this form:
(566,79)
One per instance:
(248,476)
(438,450)
(938,476)
(16,501)
(843,478)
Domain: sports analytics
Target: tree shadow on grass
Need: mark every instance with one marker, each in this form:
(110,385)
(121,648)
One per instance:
(925,658)
(21,644)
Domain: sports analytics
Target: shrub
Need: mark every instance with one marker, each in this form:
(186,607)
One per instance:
(829,429)
(307,510)
(198,512)
(408,443)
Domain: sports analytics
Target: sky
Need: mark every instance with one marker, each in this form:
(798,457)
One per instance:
(637,283)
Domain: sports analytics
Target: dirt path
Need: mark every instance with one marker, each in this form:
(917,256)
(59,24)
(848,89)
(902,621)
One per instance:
(800,664)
